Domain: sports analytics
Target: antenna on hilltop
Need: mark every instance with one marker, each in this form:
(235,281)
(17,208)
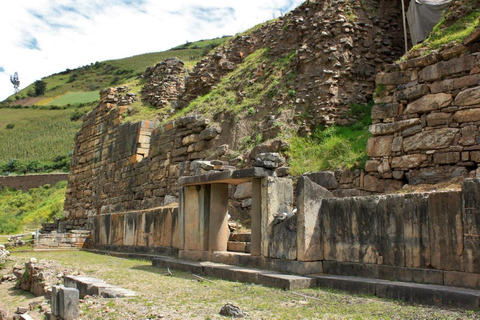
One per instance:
(15,81)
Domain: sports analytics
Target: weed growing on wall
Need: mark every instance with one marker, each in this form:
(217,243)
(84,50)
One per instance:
(334,147)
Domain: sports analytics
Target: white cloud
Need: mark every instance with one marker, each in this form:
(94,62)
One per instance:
(42,37)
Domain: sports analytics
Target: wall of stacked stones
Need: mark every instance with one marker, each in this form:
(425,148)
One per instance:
(425,237)
(27,182)
(120,166)
(426,120)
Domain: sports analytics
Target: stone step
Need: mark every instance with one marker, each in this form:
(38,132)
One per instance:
(241,237)
(93,286)
(410,292)
(237,246)
(235,273)
(406,291)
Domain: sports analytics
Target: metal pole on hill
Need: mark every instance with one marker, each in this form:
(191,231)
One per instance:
(404,26)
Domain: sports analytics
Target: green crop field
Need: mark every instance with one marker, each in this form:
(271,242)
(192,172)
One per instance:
(36,134)
(72,98)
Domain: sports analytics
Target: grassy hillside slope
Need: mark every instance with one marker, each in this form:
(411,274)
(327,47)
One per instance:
(100,75)
(36,133)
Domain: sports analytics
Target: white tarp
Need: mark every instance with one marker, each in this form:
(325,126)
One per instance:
(423,15)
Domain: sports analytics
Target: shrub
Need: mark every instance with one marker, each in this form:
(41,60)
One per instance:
(76,115)
(10,126)
(40,87)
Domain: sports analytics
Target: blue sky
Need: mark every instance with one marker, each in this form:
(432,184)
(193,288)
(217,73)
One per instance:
(41,37)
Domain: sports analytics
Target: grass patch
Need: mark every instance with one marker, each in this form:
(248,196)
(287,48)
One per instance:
(332,148)
(72,98)
(20,209)
(182,297)
(446,32)
(457,31)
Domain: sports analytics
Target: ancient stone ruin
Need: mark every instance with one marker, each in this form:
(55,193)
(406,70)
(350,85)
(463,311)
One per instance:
(171,188)
(425,121)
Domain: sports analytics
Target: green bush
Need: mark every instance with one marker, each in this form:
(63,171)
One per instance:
(30,209)
(10,126)
(332,148)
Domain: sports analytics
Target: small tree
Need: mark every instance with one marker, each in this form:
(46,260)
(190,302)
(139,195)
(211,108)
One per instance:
(40,87)
(15,81)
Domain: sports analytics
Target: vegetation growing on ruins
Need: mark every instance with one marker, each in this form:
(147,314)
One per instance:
(259,78)
(332,148)
(451,29)
(19,209)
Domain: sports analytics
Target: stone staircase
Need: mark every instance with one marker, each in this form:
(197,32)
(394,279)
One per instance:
(239,242)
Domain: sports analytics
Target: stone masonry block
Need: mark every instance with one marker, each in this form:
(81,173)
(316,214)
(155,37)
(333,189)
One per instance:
(309,200)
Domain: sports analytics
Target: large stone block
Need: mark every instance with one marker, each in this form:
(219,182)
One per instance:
(416,230)
(468,115)
(68,303)
(468,97)
(454,84)
(382,111)
(446,230)
(243,191)
(392,127)
(374,184)
(196,216)
(471,222)
(429,102)
(422,61)
(446,68)
(412,93)
(379,146)
(430,140)
(350,229)
(435,174)
(325,179)
(399,77)
(446,157)
(283,244)
(277,198)
(468,135)
(408,161)
(309,200)
(439,119)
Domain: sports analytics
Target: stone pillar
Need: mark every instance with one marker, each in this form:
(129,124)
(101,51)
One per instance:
(219,232)
(196,217)
(277,197)
(181,218)
(256,213)
(65,303)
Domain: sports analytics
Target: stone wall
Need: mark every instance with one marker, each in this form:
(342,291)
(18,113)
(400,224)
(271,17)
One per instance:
(27,182)
(426,237)
(146,231)
(426,118)
(120,167)
(339,47)
(74,239)
(164,82)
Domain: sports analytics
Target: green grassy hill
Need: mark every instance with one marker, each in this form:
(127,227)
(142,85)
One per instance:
(64,87)
(36,132)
